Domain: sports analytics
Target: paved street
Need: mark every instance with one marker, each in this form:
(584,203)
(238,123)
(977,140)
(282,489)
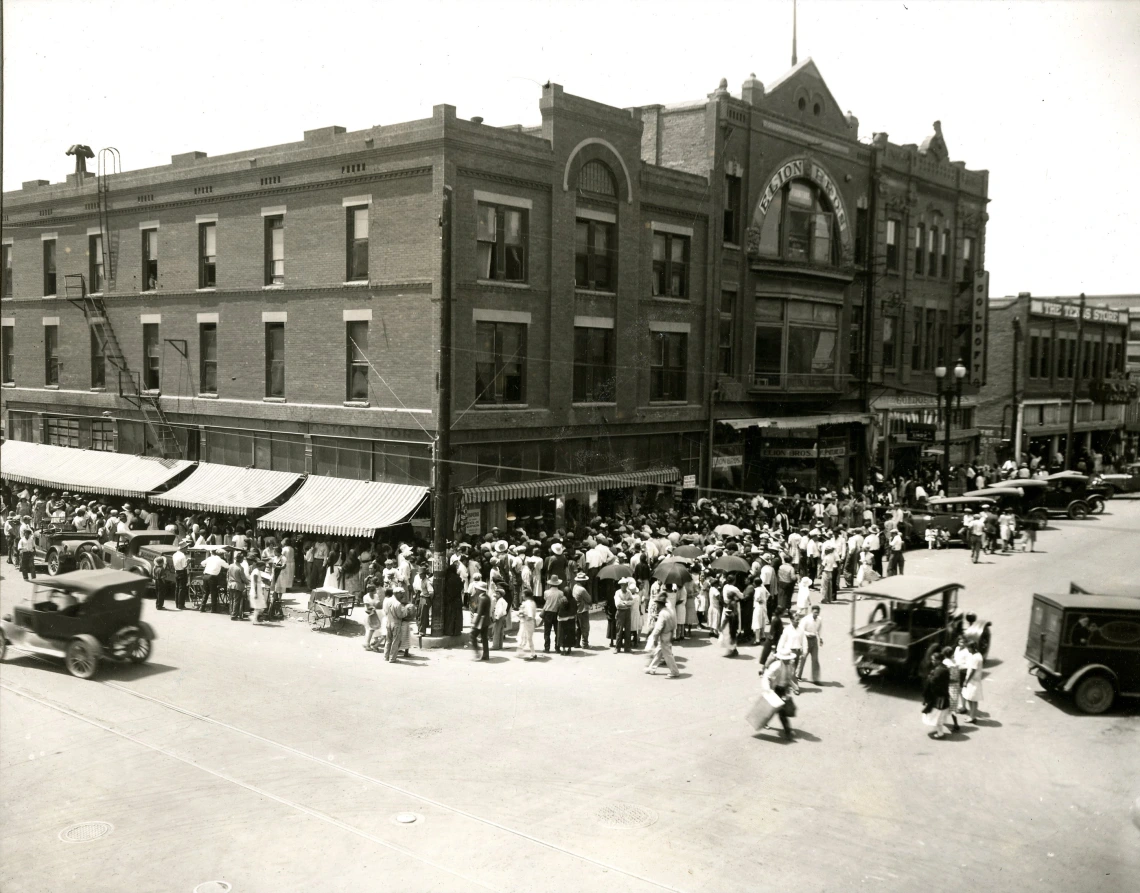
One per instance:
(276,758)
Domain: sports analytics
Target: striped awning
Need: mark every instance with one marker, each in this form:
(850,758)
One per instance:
(228,489)
(342,507)
(87,471)
(567,485)
(799,422)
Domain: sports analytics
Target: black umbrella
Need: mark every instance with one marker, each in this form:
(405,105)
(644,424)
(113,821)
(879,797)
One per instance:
(732,564)
(672,572)
(615,572)
(688,552)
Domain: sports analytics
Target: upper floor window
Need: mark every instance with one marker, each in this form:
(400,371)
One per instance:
(51,355)
(860,235)
(501,247)
(6,271)
(890,340)
(668,365)
(356,243)
(207,255)
(356,365)
(800,226)
(500,362)
(733,209)
(8,372)
(275,250)
(919,248)
(595,255)
(594,369)
(670,265)
(894,227)
(931,250)
(208,358)
(49,267)
(968,259)
(98,356)
(725,334)
(595,177)
(95,263)
(275,359)
(152,357)
(945,254)
(149,259)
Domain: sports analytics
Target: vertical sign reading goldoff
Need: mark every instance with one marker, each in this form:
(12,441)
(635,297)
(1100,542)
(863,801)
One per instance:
(979,317)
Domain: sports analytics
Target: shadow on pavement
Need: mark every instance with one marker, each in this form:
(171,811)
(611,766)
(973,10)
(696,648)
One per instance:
(126,672)
(896,687)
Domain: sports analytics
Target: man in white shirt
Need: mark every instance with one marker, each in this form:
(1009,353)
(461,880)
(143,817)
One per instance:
(181,565)
(871,544)
(791,640)
(896,559)
(213,577)
(811,638)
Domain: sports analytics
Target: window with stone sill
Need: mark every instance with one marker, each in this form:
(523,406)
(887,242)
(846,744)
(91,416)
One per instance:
(501,254)
(670,265)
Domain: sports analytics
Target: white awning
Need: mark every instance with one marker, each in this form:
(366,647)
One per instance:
(794,422)
(228,489)
(342,507)
(87,471)
(568,485)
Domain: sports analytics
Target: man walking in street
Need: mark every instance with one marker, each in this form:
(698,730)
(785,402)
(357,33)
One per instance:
(785,582)
(660,643)
(811,635)
(480,619)
(895,566)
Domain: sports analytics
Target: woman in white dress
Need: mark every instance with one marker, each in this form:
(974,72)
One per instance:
(635,615)
(333,569)
(525,639)
(285,577)
(972,684)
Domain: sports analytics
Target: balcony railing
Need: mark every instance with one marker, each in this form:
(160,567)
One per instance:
(798,381)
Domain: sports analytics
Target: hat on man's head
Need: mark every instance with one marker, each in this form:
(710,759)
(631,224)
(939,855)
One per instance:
(581,577)
(556,548)
(477,586)
(554,580)
(501,546)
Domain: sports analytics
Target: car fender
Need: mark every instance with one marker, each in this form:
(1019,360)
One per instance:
(1072,681)
(147,630)
(91,642)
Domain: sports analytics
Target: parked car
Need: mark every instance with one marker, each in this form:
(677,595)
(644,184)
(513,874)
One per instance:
(1087,645)
(136,550)
(62,550)
(916,617)
(1081,486)
(1057,497)
(1013,498)
(83,617)
(946,513)
(1127,481)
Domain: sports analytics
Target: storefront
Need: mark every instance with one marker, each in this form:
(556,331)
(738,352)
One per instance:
(913,437)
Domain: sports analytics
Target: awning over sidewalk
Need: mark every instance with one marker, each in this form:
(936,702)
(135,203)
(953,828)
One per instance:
(87,471)
(579,484)
(342,507)
(793,422)
(228,489)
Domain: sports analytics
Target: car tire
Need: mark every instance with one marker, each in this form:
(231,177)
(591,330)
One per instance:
(1094,694)
(53,563)
(81,660)
(1077,510)
(1096,504)
(928,659)
(87,562)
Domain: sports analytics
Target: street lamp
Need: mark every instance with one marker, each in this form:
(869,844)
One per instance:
(950,394)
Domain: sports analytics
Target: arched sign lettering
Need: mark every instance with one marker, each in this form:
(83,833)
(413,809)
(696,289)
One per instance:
(802,168)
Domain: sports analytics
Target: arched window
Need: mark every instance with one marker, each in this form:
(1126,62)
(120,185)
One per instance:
(800,226)
(598,179)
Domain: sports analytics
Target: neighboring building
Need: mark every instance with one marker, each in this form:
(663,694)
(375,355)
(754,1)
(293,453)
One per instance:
(845,273)
(1047,359)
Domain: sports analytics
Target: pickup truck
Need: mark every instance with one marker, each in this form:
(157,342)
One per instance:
(62,550)
(136,550)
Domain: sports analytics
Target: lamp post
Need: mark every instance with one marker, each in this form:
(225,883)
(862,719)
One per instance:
(950,394)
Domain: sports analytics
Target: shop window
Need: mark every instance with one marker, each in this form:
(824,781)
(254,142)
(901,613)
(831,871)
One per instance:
(51,355)
(208,358)
(95,266)
(275,250)
(49,267)
(7,358)
(207,255)
(103,435)
(668,366)
(670,265)
(500,362)
(356,243)
(501,246)
(150,259)
(894,227)
(356,360)
(595,255)
(98,357)
(726,331)
(919,240)
(732,209)
(594,366)
(5,271)
(275,359)
(152,358)
(890,340)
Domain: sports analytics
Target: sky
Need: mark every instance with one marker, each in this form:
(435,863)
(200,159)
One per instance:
(1044,95)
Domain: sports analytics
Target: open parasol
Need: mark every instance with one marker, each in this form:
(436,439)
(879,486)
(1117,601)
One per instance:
(672,572)
(615,572)
(732,564)
(727,530)
(688,551)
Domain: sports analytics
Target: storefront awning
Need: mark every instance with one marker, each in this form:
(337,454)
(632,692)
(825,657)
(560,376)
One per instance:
(87,471)
(228,489)
(806,421)
(567,485)
(342,507)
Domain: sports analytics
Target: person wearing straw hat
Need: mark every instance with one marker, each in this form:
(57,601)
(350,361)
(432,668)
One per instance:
(774,697)
(582,602)
(624,598)
(567,621)
(660,643)
(480,619)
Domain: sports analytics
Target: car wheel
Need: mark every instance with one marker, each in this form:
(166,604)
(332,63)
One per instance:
(928,660)
(86,561)
(53,562)
(1094,694)
(81,660)
(1078,511)
(140,649)
(131,644)
(1096,504)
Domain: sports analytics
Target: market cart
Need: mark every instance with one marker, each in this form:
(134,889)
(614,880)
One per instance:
(328,606)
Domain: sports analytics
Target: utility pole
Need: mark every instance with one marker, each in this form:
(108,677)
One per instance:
(1016,393)
(1076,384)
(441,471)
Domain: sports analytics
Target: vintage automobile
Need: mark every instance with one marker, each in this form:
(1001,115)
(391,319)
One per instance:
(1086,645)
(913,619)
(1014,498)
(946,513)
(1127,481)
(1084,487)
(63,550)
(83,617)
(1056,497)
(136,550)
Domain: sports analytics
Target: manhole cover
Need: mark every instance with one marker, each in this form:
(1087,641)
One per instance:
(213,887)
(625,815)
(406,818)
(86,831)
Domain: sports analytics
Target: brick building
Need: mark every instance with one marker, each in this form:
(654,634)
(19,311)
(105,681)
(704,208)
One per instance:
(1034,352)
(704,292)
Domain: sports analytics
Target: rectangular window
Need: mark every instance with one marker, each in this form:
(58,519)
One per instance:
(968,259)
(356,243)
(1071,369)
(732,209)
(594,368)
(98,357)
(103,435)
(945,254)
(356,360)
(1045,363)
(919,248)
(769,354)
(668,365)
(61,432)
(51,355)
(275,250)
(208,358)
(725,333)
(813,336)
(855,342)
(152,357)
(890,340)
(860,235)
(95,263)
(940,336)
(1034,355)
(8,367)
(150,259)
(1097,370)
(1062,356)
(670,265)
(916,341)
(595,255)
(6,271)
(501,247)
(931,251)
(207,255)
(930,331)
(500,362)
(894,227)
(275,359)
(49,267)
(1086,358)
